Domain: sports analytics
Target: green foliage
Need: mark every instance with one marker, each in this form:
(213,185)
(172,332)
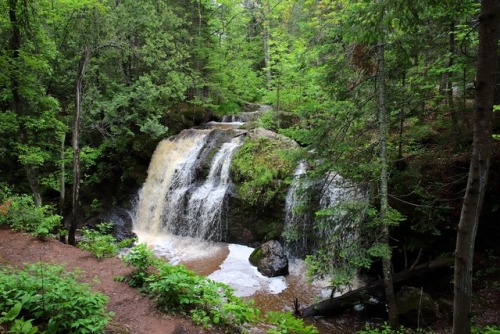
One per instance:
(17,324)
(228,108)
(51,298)
(286,323)
(485,330)
(384,329)
(98,241)
(174,288)
(260,169)
(143,260)
(24,215)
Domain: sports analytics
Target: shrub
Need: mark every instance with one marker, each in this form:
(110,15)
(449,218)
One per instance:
(98,241)
(286,323)
(52,299)
(176,289)
(23,215)
(143,260)
(486,330)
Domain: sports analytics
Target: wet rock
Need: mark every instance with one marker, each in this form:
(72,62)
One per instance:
(251,225)
(254,112)
(270,259)
(261,132)
(121,220)
(416,308)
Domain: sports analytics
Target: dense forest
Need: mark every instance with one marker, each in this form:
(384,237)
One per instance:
(399,96)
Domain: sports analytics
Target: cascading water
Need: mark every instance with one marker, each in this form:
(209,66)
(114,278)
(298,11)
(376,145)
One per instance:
(297,219)
(184,200)
(174,198)
(304,226)
(183,204)
(206,203)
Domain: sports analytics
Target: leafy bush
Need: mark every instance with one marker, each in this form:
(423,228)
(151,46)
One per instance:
(486,330)
(228,108)
(286,323)
(98,241)
(208,303)
(16,324)
(174,288)
(177,289)
(24,215)
(144,261)
(52,299)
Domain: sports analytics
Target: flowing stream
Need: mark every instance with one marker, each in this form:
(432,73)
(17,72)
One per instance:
(181,215)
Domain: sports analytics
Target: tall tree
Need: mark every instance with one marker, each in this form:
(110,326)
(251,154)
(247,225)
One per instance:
(384,184)
(82,69)
(489,30)
(25,53)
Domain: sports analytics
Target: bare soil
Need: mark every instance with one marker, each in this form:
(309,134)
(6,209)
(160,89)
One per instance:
(134,313)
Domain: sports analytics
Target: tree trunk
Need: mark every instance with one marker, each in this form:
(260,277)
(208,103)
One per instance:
(32,176)
(451,62)
(267,54)
(384,194)
(15,46)
(82,66)
(339,304)
(62,179)
(479,164)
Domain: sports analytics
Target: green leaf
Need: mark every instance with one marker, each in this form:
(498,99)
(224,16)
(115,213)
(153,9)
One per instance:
(13,312)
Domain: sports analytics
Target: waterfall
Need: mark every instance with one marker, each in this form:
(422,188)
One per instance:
(205,206)
(324,209)
(176,198)
(297,220)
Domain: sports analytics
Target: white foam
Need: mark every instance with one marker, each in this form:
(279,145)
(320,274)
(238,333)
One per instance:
(178,249)
(237,272)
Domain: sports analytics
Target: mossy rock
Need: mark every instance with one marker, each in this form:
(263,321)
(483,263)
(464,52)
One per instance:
(256,256)
(261,170)
(270,259)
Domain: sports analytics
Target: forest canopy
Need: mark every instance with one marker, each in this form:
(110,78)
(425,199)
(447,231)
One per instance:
(384,93)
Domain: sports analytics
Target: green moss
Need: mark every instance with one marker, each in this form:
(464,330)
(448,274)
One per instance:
(256,256)
(261,171)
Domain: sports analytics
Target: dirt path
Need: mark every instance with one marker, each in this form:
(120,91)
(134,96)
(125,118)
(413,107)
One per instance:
(133,313)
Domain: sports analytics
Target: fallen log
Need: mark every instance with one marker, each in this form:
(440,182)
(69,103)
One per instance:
(337,305)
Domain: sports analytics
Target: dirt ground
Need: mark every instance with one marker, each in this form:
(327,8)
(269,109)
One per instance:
(134,313)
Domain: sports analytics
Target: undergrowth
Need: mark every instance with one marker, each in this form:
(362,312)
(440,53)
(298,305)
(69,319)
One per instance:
(100,242)
(23,215)
(208,303)
(45,298)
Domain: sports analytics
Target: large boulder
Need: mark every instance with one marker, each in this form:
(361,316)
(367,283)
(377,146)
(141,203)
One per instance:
(270,259)
(415,307)
(121,220)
